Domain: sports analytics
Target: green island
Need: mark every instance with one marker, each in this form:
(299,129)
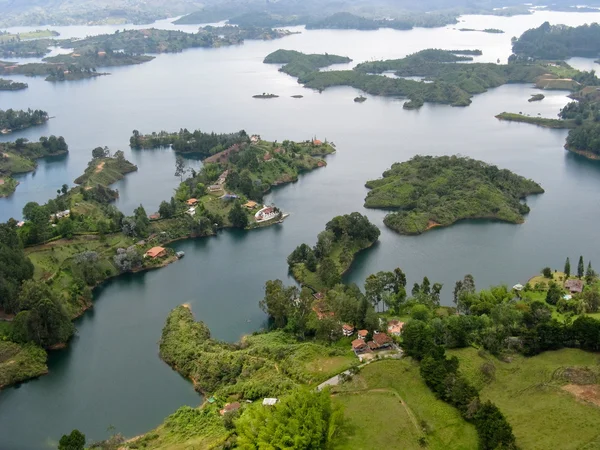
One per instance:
(360,99)
(9,85)
(15,120)
(558,42)
(52,72)
(536,98)
(486,30)
(323,265)
(20,157)
(299,64)
(451,83)
(105,169)
(264,95)
(438,191)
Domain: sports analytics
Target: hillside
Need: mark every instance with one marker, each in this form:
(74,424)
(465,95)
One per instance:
(105,171)
(438,191)
(548,398)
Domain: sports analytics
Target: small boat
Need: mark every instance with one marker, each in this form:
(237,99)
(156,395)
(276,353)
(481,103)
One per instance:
(180,254)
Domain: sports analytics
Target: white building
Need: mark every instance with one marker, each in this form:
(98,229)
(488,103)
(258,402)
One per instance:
(269,401)
(266,213)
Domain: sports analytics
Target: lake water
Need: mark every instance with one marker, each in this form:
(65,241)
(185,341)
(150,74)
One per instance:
(111,373)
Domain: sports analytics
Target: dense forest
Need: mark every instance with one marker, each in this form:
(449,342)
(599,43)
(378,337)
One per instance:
(438,191)
(16,48)
(13,120)
(558,42)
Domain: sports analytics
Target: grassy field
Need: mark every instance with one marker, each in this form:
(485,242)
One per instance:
(383,418)
(531,393)
(28,35)
(20,362)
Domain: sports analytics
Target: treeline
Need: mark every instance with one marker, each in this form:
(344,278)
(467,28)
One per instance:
(297,64)
(406,21)
(343,237)
(18,119)
(558,42)
(9,85)
(25,48)
(184,141)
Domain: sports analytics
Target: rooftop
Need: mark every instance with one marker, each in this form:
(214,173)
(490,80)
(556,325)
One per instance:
(155,251)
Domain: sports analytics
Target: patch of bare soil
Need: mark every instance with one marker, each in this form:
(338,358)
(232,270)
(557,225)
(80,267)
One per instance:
(588,393)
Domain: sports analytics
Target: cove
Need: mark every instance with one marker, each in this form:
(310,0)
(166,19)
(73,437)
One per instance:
(111,373)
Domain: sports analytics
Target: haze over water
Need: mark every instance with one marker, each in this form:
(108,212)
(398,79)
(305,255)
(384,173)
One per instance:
(111,373)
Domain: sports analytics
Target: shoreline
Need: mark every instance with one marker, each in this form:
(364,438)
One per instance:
(585,153)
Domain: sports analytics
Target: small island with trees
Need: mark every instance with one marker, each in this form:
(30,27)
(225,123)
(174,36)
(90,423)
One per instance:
(20,157)
(15,120)
(265,95)
(428,192)
(9,85)
(323,265)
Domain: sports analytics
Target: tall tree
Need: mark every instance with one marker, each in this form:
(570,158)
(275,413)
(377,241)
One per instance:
(590,274)
(277,301)
(567,268)
(580,268)
(328,273)
(73,441)
(238,216)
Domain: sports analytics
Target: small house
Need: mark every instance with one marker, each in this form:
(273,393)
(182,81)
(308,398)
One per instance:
(267,157)
(254,138)
(347,330)
(269,401)
(317,142)
(101,53)
(192,202)
(230,407)
(359,346)
(215,188)
(382,340)
(156,252)
(267,213)
(250,205)
(362,334)
(518,287)
(574,286)
(319,296)
(191,211)
(154,216)
(395,327)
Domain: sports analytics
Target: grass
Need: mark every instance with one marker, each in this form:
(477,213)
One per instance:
(362,433)
(323,367)
(20,362)
(441,424)
(529,393)
(105,171)
(8,187)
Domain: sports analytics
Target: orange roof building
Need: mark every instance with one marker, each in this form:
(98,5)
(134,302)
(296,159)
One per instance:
(317,142)
(192,202)
(230,407)
(362,334)
(156,252)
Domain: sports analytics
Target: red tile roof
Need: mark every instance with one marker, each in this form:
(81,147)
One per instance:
(358,343)
(363,333)
(155,251)
(348,327)
(381,339)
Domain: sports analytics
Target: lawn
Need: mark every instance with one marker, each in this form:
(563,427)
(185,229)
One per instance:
(441,424)
(363,430)
(529,391)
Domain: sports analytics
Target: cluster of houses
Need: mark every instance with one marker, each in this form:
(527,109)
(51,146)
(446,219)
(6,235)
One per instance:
(218,186)
(380,340)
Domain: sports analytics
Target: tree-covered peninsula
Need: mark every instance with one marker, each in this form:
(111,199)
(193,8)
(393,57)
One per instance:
(20,157)
(431,191)
(298,64)
(450,82)
(322,266)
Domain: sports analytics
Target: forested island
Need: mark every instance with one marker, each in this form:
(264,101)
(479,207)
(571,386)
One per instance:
(438,191)
(14,120)
(452,83)
(20,157)
(9,85)
(17,48)
(322,266)
(548,42)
